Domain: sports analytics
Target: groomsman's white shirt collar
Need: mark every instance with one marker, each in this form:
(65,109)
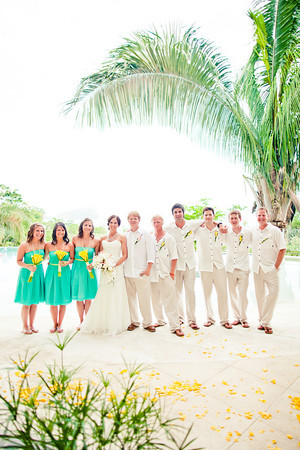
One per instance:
(184,238)
(266,244)
(141,251)
(209,249)
(165,252)
(237,246)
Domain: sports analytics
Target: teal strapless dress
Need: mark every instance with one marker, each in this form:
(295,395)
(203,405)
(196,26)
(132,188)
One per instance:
(57,289)
(34,292)
(83,286)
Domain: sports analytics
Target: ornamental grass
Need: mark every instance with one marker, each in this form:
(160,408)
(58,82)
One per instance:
(56,409)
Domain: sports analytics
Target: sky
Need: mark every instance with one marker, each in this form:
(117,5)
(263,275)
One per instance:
(71,172)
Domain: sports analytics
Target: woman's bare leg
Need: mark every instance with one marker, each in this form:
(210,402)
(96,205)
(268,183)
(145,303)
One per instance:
(54,314)
(24,317)
(32,313)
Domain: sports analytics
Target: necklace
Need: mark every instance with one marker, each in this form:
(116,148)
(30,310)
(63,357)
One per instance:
(112,238)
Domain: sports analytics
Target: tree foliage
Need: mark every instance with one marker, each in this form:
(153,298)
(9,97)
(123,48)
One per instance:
(15,217)
(177,79)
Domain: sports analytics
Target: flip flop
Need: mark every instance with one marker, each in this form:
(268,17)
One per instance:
(236,322)
(34,330)
(260,328)
(245,324)
(208,324)
(194,326)
(268,330)
(227,325)
(53,330)
(59,330)
(26,331)
(178,332)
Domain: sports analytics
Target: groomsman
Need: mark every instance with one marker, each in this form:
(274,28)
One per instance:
(183,233)
(137,267)
(211,267)
(238,240)
(162,278)
(268,247)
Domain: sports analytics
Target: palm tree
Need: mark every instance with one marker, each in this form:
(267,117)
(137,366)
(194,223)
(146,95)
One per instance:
(14,223)
(179,80)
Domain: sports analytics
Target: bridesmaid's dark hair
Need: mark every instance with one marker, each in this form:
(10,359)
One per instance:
(80,228)
(65,238)
(31,231)
(113,217)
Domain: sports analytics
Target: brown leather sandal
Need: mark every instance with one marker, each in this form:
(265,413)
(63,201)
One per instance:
(178,332)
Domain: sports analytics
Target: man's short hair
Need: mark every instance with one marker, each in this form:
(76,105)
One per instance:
(177,205)
(208,208)
(157,216)
(235,211)
(262,208)
(134,214)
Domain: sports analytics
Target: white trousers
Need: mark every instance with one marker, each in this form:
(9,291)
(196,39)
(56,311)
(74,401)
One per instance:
(187,278)
(139,297)
(238,282)
(216,278)
(164,297)
(266,292)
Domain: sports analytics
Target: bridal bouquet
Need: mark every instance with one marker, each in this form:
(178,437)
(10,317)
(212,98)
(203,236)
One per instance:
(105,262)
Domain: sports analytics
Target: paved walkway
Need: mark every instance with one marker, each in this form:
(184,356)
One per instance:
(237,386)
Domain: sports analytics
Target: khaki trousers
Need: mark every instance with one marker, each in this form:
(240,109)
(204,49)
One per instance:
(187,278)
(238,282)
(216,278)
(139,297)
(266,301)
(164,297)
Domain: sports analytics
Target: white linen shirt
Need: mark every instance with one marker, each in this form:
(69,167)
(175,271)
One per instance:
(266,244)
(165,252)
(209,249)
(237,249)
(141,251)
(184,238)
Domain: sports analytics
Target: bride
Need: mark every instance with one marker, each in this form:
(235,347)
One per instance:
(109,312)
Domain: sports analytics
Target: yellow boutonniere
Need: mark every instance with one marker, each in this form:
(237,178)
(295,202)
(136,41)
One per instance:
(216,235)
(60,255)
(84,254)
(188,234)
(36,259)
(240,239)
(162,245)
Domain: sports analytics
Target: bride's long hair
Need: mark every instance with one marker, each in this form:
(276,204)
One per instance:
(114,217)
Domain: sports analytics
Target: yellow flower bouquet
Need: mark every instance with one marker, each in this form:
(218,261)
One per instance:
(60,255)
(84,254)
(36,259)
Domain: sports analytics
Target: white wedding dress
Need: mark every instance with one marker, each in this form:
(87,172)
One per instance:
(109,312)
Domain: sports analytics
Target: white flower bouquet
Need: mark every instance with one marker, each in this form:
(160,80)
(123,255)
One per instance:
(105,262)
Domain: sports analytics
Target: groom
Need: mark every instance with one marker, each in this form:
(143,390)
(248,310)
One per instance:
(137,267)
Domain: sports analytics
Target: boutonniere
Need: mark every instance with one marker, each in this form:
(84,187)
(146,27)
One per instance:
(264,240)
(240,239)
(162,245)
(188,234)
(138,239)
(216,235)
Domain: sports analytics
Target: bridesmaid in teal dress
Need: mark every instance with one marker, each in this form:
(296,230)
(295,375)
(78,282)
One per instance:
(84,281)
(30,287)
(58,275)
